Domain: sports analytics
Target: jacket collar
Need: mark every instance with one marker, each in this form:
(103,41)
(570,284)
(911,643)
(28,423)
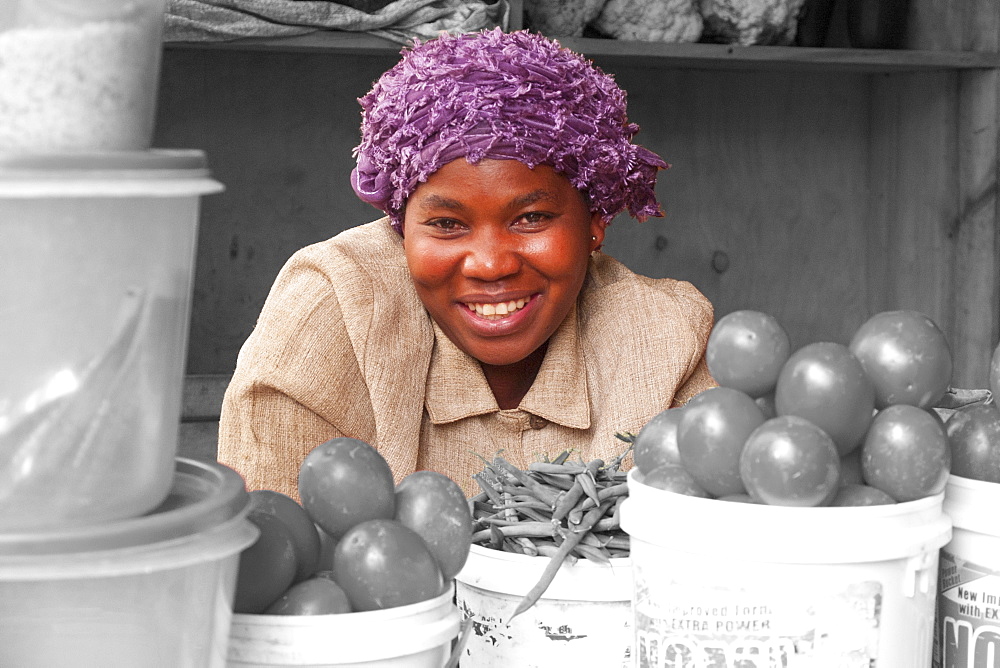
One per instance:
(457,388)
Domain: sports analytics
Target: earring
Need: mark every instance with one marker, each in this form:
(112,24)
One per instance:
(593,238)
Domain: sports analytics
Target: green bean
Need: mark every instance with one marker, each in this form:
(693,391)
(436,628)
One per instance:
(589,486)
(491,493)
(592,553)
(536,514)
(527,546)
(615,491)
(544,493)
(559,481)
(607,524)
(571,540)
(618,542)
(496,533)
(558,469)
(551,549)
(515,504)
(567,501)
(562,457)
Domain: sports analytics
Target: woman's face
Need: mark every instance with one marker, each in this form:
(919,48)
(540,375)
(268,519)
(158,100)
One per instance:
(498,253)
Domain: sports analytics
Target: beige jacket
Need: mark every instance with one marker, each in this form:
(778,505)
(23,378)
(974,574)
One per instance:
(343,346)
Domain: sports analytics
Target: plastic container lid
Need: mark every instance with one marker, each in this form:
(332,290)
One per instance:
(159,172)
(204,496)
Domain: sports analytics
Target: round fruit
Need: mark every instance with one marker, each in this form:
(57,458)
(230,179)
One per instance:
(656,443)
(906,453)
(267,568)
(906,356)
(974,437)
(382,564)
(433,505)
(344,482)
(314,596)
(295,517)
(746,351)
(789,461)
(861,495)
(711,434)
(673,478)
(825,384)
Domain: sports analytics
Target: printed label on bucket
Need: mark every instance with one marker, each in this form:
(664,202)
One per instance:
(967,632)
(702,627)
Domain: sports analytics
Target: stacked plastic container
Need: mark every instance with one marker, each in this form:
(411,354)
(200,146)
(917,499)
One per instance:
(113,551)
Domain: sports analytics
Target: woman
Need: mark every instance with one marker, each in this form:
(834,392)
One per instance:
(479,315)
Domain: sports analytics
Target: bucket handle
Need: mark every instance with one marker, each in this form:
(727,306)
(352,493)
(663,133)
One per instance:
(920,571)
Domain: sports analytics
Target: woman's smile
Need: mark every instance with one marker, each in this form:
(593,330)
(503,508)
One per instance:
(499,318)
(498,253)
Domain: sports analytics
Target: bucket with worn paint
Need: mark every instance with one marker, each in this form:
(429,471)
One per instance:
(584,618)
(967,633)
(719,583)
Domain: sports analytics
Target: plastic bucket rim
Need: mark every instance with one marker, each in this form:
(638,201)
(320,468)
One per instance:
(964,502)
(931,533)
(442,601)
(428,635)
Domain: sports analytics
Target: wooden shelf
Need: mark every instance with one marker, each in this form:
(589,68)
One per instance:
(654,54)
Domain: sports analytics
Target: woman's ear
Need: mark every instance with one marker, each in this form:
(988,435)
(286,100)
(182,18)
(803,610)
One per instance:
(597,228)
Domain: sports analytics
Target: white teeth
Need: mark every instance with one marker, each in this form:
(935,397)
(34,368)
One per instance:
(498,310)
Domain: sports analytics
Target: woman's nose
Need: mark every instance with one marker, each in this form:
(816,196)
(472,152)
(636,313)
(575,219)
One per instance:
(491,260)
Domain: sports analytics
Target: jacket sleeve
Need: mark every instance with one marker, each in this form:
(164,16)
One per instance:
(701,316)
(297,383)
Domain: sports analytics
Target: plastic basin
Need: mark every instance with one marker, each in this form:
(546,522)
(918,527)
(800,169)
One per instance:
(150,591)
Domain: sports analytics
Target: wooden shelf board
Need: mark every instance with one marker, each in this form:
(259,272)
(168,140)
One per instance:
(653,54)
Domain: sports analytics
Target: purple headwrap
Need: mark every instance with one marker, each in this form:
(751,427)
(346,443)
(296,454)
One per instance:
(501,95)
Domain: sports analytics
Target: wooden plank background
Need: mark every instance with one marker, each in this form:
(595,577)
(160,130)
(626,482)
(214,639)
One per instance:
(819,197)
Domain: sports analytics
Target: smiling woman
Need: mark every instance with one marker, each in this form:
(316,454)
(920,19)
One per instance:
(479,315)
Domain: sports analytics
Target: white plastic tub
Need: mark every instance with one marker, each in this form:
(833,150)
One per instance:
(96,272)
(584,618)
(967,632)
(152,591)
(716,581)
(408,636)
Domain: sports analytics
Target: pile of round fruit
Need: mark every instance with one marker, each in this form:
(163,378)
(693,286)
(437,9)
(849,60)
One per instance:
(357,541)
(827,424)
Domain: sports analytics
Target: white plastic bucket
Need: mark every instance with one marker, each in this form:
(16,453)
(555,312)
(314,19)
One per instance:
(829,587)
(584,618)
(408,636)
(967,633)
(153,591)
(96,272)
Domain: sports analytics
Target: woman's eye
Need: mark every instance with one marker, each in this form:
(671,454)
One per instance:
(533,218)
(445,224)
